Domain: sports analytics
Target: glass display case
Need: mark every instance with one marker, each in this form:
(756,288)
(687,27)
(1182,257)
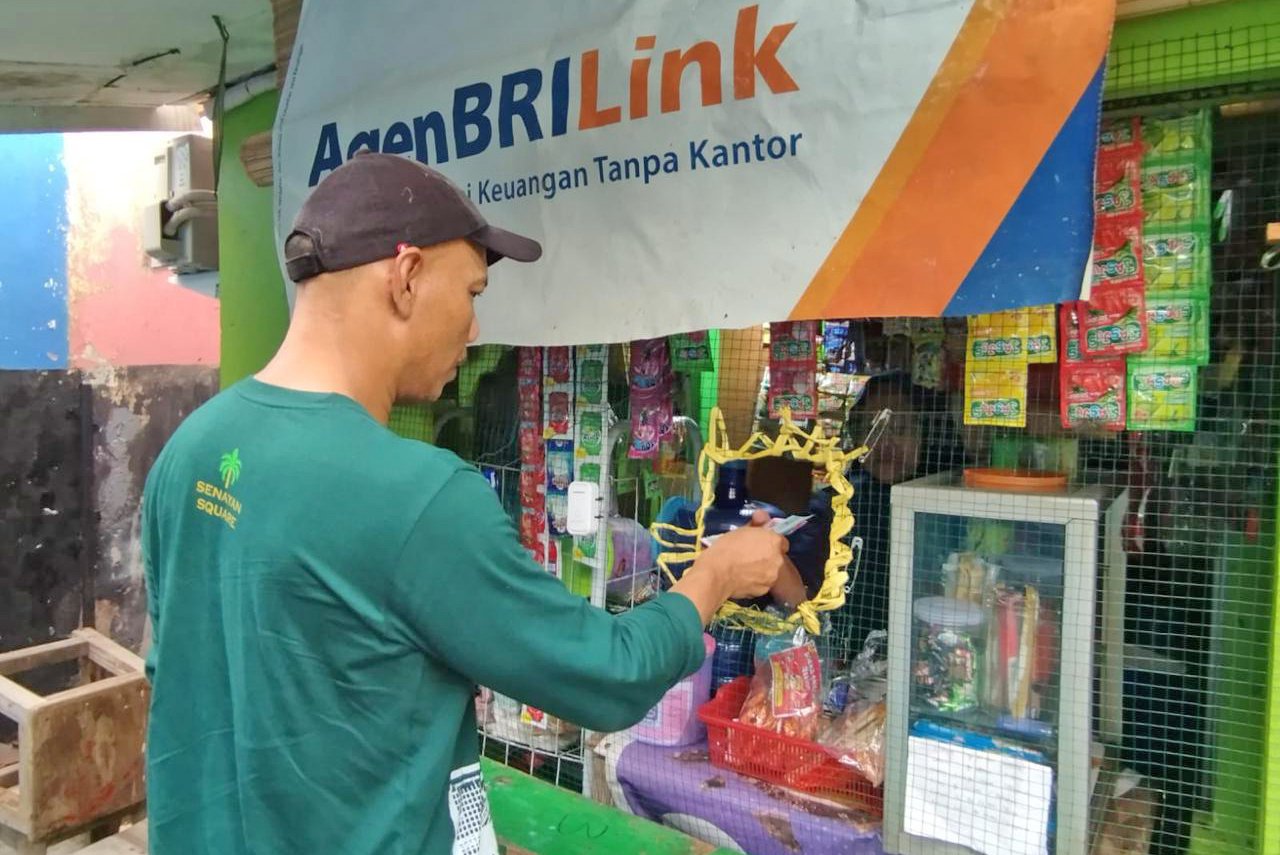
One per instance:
(992,636)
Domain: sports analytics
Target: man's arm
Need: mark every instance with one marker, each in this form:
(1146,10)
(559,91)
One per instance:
(468,594)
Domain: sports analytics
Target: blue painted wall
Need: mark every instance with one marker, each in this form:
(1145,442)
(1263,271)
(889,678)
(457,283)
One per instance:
(33,252)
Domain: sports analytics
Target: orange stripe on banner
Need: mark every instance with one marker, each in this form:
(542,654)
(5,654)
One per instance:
(976,138)
(956,69)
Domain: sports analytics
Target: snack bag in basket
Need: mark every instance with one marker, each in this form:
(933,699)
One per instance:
(785,694)
(856,739)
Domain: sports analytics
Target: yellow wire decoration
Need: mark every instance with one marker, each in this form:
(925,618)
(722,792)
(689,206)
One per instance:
(813,448)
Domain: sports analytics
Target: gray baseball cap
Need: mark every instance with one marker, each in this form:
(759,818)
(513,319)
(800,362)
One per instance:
(363,210)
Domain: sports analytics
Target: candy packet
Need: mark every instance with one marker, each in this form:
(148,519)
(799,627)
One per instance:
(1113,321)
(1177,135)
(841,346)
(1117,185)
(1042,339)
(998,337)
(559,364)
(691,352)
(1069,331)
(1121,137)
(1117,252)
(1093,394)
(1175,194)
(996,396)
(1176,259)
(791,344)
(1162,396)
(795,389)
(1177,330)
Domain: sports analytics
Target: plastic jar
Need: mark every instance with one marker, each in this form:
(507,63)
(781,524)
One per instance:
(948,640)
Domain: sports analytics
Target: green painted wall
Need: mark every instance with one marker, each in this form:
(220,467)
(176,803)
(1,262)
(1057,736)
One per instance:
(255,311)
(1231,41)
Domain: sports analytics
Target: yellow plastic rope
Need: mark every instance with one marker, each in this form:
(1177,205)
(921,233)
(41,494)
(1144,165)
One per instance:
(812,447)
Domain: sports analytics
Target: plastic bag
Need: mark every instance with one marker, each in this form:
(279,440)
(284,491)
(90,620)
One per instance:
(856,739)
(785,693)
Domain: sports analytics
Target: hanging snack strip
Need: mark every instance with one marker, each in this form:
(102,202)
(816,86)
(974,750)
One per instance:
(691,352)
(793,369)
(1176,252)
(533,453)
(592,417)
(558,400)
(652,412)
(995,387)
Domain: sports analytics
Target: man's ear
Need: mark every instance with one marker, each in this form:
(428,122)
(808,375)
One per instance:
(403,284)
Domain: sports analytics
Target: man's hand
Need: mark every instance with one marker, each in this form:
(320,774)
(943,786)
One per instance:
(741,564)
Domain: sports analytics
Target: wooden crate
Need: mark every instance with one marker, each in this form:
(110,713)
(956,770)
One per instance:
(80,750)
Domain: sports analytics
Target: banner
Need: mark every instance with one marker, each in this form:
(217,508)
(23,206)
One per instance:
(719,164)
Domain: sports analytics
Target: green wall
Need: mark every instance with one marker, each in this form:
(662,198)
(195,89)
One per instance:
(255,311)
(1233,41)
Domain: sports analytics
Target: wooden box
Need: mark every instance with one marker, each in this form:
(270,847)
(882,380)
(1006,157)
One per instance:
(80,750)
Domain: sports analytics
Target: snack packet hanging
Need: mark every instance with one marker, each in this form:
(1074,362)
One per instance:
(1113,321)
(1042,338)
(559,363)
(795,389)
(1121,137)
(1176,136)
(996,396)
(1092,394)
(691,352)
(1175,259)
(1117,252)
(1069,331)
(841,346)
(1177,330)
(998,337)
(791,344)
(1162,396)
(1175,194)
(1117,184)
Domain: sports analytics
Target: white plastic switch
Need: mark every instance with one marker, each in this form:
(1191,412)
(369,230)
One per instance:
(584,508)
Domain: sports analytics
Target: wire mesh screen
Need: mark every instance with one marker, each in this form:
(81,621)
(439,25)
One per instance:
(1056,621)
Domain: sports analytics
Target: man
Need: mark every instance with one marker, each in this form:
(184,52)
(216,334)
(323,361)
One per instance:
(325,596)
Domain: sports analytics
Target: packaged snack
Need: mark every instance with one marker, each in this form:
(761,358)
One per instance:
(996,396)
(529,363)
(1177,330)
(1176,136)
(558,407)
(1121,137)
(791,344)
(968,576)
(1069,331)
(1176,259)
(928,364)
(532,487)
(691,352)
(1175,194)
(785,693)
(532,446)
(559,364)
(1113,321)
(1117,252)
(650,365)
(651,421)
(591,431)
(841,346)
(559,465)
(998,337)
(1093,394)
(557,514)
(1042,339)
(1117,188)
(856,739)
(590,382)
(1162,396)
(795,389)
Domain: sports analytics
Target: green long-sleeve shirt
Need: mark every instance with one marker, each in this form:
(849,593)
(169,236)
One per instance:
(324,597)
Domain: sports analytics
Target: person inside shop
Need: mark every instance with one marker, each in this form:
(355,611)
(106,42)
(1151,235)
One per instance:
(324,596)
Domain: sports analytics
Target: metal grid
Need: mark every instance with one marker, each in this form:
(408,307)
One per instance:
(1180,646)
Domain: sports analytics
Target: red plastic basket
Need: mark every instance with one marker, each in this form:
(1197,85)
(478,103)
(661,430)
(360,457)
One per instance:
(778,759)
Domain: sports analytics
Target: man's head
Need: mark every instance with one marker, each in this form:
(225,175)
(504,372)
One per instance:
(394,255)
(897,455)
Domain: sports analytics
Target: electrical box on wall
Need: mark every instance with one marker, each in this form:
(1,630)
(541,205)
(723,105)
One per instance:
(180,225)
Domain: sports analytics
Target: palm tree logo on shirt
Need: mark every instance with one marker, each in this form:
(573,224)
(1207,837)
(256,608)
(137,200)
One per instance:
(229,468)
